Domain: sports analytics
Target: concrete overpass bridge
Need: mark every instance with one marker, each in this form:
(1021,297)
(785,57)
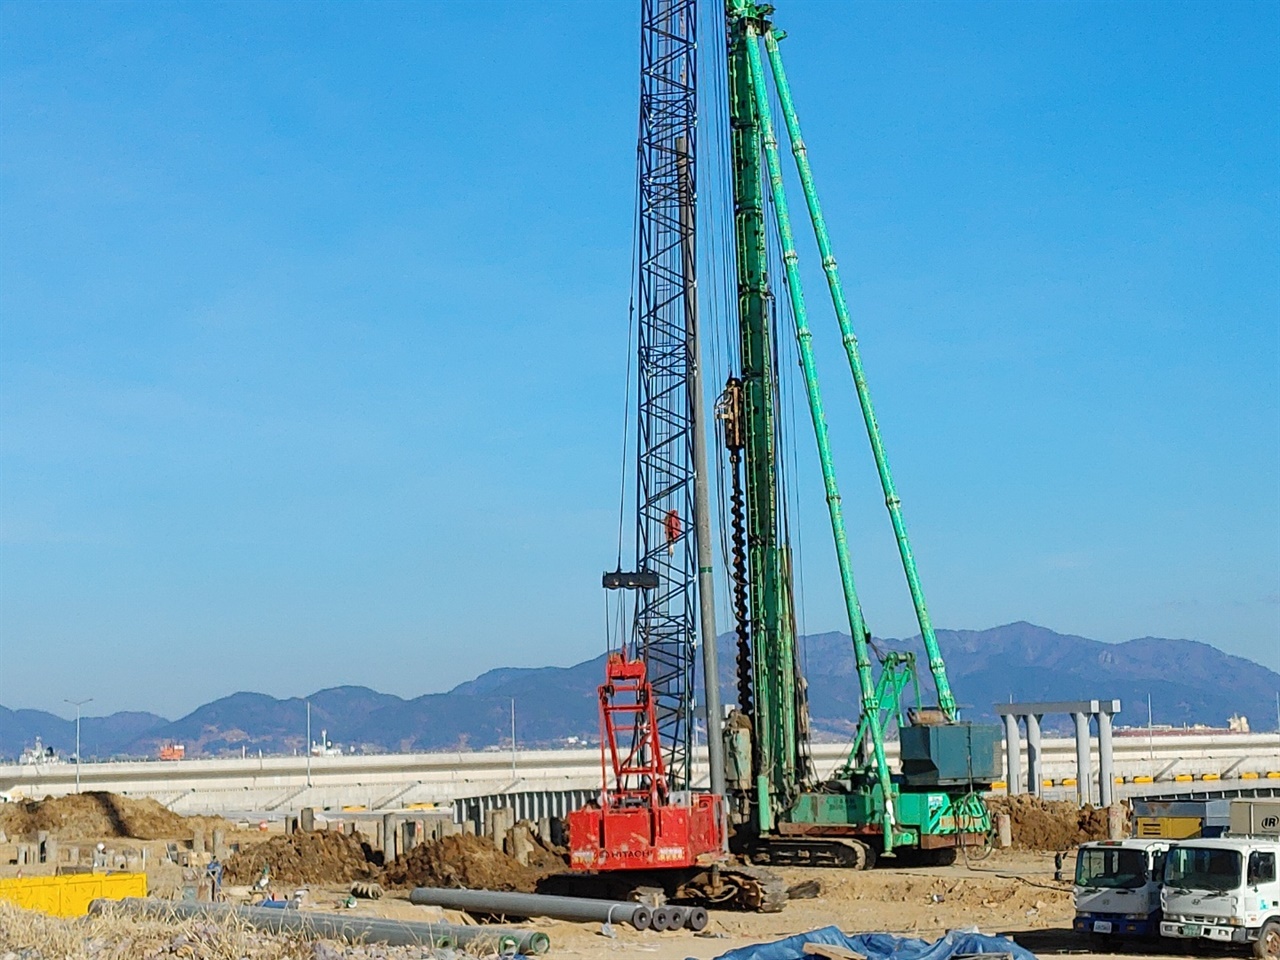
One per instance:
(388,782)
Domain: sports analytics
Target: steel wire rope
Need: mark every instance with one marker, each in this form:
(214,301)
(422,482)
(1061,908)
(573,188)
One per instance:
(631,349)
(792,449)
(786,357)
(718,252)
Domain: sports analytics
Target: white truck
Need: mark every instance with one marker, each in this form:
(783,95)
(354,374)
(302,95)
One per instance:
(1117,887)
(1225,890)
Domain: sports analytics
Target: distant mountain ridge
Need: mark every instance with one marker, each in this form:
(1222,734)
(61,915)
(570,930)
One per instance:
(1188,681)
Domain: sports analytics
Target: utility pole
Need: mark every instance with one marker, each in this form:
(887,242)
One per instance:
(78,704)
(701,476)
(308,743)
(513,740)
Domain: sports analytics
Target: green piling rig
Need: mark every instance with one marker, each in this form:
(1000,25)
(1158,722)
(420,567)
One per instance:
(782,815)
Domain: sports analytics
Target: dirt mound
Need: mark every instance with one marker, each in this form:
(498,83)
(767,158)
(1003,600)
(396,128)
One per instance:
(319,857)
(95,815)
(461,860)
(1050,824)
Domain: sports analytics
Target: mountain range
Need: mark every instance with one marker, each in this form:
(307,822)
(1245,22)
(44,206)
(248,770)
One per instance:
(1188,682)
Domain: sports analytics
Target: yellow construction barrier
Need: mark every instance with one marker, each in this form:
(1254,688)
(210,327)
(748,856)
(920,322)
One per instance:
(71,895)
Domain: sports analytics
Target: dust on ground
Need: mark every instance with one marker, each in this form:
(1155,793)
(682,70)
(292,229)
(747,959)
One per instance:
(462,860)
(96,815)
(317,857)
(1050,824)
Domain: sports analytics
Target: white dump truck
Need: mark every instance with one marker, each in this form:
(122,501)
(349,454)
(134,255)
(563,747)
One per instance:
(1225,890)
(1117,887)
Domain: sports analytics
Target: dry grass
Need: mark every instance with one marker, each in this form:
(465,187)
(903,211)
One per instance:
(107,937)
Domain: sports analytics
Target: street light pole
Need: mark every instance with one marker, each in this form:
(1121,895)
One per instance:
(78,704)
(308,743)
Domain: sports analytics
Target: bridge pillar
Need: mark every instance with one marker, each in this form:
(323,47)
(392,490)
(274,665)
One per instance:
(1035,765)
(1106,766)
(1084,772)
(1012,755)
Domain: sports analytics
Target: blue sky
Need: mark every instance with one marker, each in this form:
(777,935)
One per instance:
(313,330)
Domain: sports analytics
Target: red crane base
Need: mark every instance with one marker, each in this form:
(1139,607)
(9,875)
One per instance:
(641,837)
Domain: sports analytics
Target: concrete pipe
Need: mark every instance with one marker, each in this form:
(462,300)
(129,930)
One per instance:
(695,918)
(537,905)
(335,926)
(667,918)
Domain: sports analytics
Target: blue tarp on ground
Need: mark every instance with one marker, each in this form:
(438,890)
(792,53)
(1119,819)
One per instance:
(880,946)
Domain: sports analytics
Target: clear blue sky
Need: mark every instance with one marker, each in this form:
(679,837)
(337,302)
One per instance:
(313,329)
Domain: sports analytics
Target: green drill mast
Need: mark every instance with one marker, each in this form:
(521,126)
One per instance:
(933,804)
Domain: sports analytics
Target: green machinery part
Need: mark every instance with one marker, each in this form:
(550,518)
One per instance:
(775,719)
(777,709)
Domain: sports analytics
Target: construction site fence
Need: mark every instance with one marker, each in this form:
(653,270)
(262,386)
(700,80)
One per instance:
(532,805)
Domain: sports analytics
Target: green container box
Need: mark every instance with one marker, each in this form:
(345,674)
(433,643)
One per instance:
(952,754)
(837,809)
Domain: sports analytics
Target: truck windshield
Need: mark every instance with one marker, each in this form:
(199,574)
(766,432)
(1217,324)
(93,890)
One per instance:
(1111,867)
(1203,868)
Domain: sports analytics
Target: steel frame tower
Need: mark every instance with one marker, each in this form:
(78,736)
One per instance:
(665,620)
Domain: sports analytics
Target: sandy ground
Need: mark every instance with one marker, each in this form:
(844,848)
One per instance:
(1009,893)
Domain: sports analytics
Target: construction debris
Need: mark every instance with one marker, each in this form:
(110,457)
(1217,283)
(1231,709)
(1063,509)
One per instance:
(317,857)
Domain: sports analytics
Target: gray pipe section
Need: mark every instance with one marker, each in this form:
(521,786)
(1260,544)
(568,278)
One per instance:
(535,905)
(335,926)
(1035,756)
(701,490)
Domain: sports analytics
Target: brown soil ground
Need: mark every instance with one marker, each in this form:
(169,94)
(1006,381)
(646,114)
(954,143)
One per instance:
(319,857)
(461,860)
(1049,824)
(1010,892)
(97,816)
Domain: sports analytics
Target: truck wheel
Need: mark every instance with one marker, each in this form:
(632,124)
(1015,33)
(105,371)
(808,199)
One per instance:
(1267,946)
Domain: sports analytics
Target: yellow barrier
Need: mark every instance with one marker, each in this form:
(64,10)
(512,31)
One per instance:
(70,896)
(1249,775)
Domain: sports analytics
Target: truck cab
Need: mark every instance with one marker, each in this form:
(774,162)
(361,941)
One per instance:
(1225,890)
(1117,887)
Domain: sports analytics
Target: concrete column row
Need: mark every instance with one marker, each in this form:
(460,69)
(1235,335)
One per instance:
(1081,712)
